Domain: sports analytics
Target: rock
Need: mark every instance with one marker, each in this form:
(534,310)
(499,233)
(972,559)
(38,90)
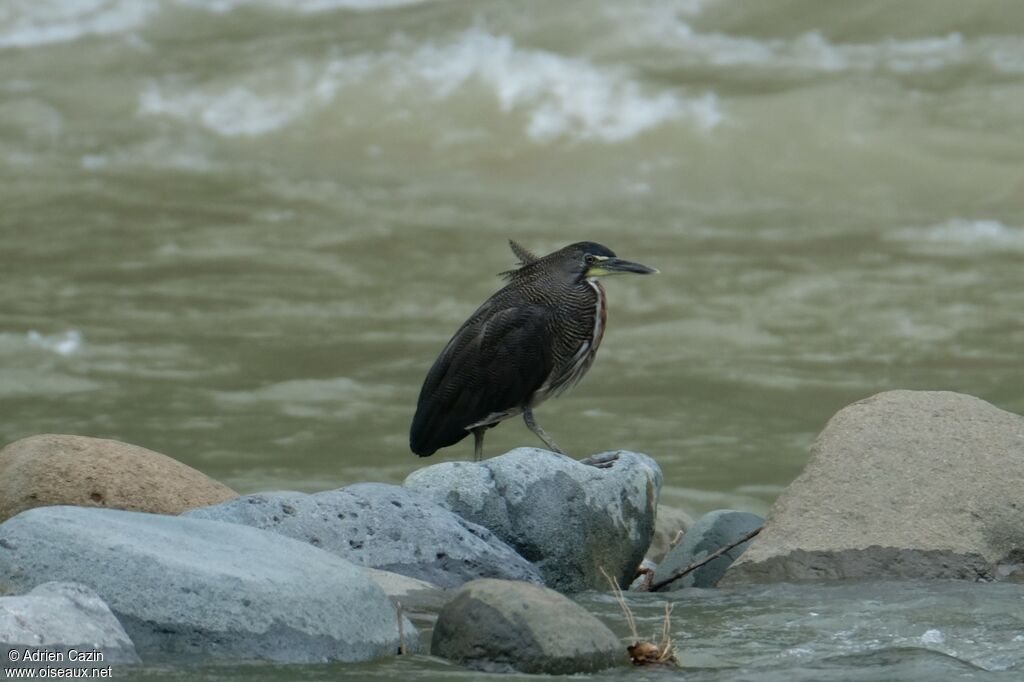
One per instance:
(503,626)
(40,471)
(382,526)
(64,618)
(905,484)
(568,518)
(670,525)
(415,596)
(710,533)
(644,577)
(198,589)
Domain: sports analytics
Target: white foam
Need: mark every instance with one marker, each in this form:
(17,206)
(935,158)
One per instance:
(814,52)
(667,27)
(68,343)
(301,6)
(263,102)
(964,235)
(557,96)
(561,96)
(933,636)
(26,23)
(235,111)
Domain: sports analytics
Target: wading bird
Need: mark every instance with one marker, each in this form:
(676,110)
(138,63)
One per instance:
(532,340)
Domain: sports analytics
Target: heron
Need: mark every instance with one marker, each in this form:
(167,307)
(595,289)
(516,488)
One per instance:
(532,340)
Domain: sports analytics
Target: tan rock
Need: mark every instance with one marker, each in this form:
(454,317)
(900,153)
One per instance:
(669,527)
(51,469)
(904,484)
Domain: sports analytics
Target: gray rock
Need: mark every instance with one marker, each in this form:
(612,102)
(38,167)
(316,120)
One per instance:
(905,484)
(568,518)
(66,619)
(203,589)
(382,526)
(502,626)
(412,594)
(417,600)
(669,527)
(710,533)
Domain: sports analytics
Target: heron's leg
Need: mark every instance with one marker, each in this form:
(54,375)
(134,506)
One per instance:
(478,443)
(532,424)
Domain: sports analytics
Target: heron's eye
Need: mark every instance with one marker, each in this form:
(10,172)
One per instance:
(589,259)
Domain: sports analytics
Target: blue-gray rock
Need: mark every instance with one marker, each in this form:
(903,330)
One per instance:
(710,533)
(67,620)
(568,518)
(502,626)
(382,526)
(198,589)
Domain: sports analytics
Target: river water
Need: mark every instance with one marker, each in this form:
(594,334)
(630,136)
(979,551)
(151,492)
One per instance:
(239,231)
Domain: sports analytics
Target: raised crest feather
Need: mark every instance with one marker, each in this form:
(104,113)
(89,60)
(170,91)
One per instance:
(525,256)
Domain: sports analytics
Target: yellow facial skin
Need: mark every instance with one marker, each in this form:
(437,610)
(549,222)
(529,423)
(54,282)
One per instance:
(596,270)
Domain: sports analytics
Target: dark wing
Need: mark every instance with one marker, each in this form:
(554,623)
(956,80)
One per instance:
(495,362)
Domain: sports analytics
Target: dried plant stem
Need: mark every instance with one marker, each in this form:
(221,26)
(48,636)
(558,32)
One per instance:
(642,652)
(667,647)
(619,597)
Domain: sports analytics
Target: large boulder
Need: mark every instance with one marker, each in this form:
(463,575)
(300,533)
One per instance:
(502,626)
(46,470)
(905,484)
(198,589)
(382,526)
(569,518)
(65,619)
(712,532)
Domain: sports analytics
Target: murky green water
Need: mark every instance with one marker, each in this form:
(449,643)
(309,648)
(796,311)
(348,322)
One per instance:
(239,231)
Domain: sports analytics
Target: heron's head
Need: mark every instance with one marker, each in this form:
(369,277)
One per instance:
(573,263)
(587,260)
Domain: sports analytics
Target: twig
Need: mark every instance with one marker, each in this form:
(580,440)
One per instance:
(619,597)
(697,564)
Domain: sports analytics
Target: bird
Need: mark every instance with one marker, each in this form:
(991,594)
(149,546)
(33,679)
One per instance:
(532,340)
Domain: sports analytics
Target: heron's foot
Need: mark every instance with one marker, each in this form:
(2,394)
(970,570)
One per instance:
(606,460)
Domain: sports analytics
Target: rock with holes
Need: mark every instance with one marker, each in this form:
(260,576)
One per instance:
(570,518)
(502,626)
(382,526)
(712,532)
(63,619)
(193,589)
(40,471)
(904,484)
